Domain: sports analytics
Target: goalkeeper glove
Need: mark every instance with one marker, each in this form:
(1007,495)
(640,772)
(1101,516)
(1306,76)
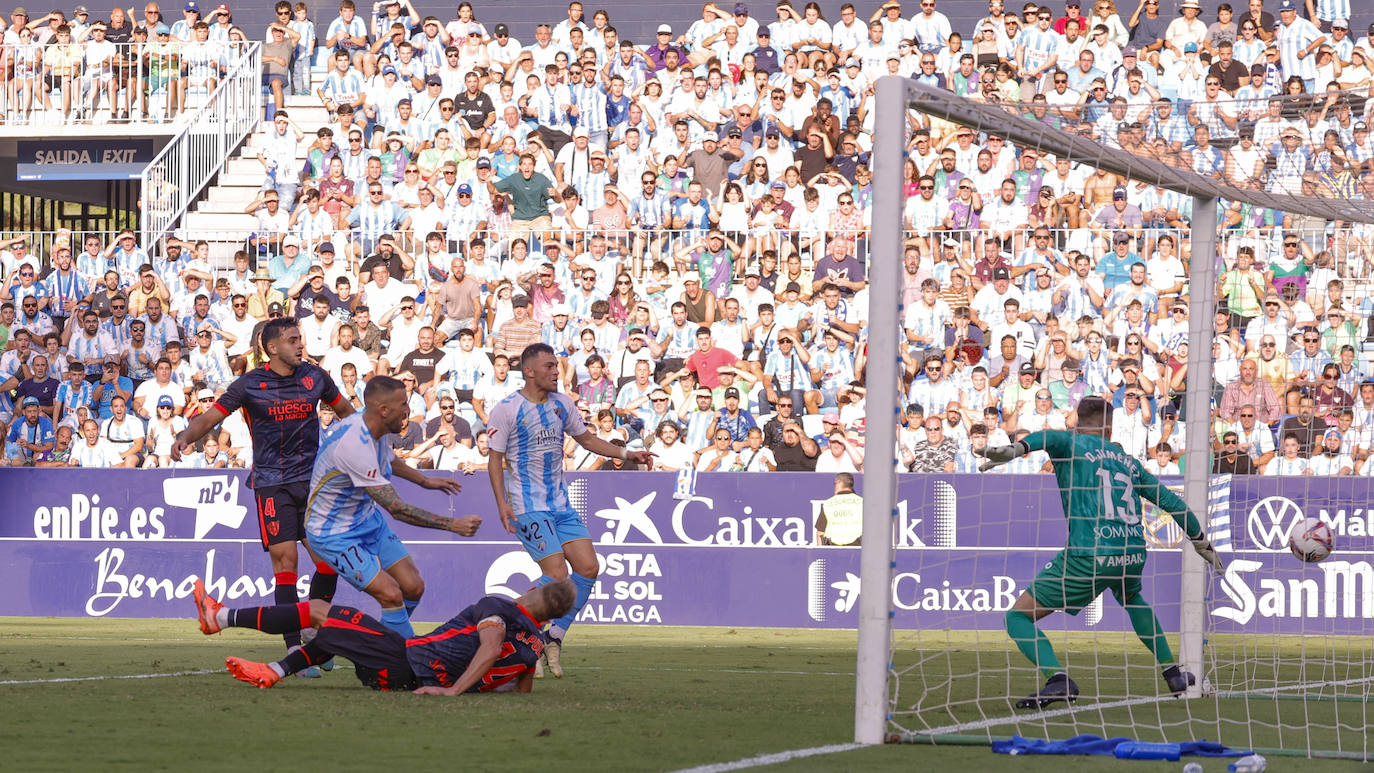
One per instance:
(1204,548)
(996,455)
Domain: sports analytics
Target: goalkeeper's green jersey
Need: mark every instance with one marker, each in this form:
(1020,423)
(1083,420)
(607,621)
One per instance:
(1101,487)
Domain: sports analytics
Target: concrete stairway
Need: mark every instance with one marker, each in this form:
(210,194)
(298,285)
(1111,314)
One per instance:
(218,217)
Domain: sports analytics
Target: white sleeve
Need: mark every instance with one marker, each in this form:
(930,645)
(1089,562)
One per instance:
(501,420)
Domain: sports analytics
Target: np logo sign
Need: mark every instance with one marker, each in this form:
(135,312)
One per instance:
(1269,521)
(215,499)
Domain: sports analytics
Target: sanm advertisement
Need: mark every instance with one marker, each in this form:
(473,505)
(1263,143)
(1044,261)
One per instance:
(727,549)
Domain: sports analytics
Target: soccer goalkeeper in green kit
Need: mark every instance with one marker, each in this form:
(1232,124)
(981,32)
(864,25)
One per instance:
(1101,487)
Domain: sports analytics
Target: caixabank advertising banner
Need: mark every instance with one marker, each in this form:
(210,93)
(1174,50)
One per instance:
(735,549)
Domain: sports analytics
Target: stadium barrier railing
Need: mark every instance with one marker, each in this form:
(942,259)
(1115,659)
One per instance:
(1344,252)
(148,79)
(181,171)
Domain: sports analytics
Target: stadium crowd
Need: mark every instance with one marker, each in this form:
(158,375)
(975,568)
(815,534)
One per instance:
(686,221)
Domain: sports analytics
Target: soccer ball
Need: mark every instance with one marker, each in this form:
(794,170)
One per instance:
(1310,539)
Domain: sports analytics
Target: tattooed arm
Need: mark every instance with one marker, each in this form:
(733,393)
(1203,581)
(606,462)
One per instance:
(389,500)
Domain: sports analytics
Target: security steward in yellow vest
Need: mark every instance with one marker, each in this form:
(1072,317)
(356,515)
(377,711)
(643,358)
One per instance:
(841,519)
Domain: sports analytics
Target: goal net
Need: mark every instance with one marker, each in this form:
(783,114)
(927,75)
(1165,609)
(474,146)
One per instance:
(1206,274)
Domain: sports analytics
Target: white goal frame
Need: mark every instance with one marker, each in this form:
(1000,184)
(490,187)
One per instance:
(894,96)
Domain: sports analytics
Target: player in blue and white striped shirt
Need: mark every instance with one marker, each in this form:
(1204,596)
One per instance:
(350,482)
(525,432)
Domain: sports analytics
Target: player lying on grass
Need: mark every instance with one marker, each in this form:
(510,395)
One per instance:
(350,487)
(491,645)
(1101,487)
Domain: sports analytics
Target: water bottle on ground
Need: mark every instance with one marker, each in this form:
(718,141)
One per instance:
(1253,763)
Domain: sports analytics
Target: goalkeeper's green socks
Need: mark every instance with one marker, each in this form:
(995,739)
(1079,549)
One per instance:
(1149,630)
(1032,642)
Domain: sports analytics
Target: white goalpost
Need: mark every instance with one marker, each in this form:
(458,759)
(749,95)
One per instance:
(935,667)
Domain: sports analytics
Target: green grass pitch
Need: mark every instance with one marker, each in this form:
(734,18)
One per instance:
(635,699)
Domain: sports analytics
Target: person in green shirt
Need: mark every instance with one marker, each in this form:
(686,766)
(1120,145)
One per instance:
(1242,288)
(528,192)
(1100,486)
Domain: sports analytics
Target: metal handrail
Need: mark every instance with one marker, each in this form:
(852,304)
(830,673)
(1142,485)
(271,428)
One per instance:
(187,164)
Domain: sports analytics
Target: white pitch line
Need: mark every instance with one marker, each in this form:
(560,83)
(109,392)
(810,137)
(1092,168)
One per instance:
(60,680)
(772,759)
(849,674)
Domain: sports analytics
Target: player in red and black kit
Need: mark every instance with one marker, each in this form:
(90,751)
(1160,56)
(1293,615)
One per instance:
(279,403)
(491,645)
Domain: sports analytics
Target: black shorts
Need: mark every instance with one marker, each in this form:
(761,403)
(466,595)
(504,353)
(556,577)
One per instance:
(281,512)
(377,652)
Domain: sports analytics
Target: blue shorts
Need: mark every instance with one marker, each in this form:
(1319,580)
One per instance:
(361,554)
(830,398)
(544,533)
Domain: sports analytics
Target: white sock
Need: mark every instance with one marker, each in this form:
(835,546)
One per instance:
(222,617)
(277,669)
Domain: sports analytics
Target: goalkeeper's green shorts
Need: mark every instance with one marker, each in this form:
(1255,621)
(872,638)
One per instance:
(1071,581)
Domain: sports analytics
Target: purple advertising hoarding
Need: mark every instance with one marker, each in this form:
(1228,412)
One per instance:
(739,550)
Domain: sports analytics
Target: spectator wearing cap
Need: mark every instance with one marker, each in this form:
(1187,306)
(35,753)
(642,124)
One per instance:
(733,420)
(161,387)
(1068,388)
(767,54)
(290,266)
(990,301)
(163,427)
(1298,40)
(1184,29)
(31,434)
(264,294)
(663,47)
(1160,123)
(709,163)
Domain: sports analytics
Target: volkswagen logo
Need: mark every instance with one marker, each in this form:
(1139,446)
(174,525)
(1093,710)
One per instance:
(1269,522)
